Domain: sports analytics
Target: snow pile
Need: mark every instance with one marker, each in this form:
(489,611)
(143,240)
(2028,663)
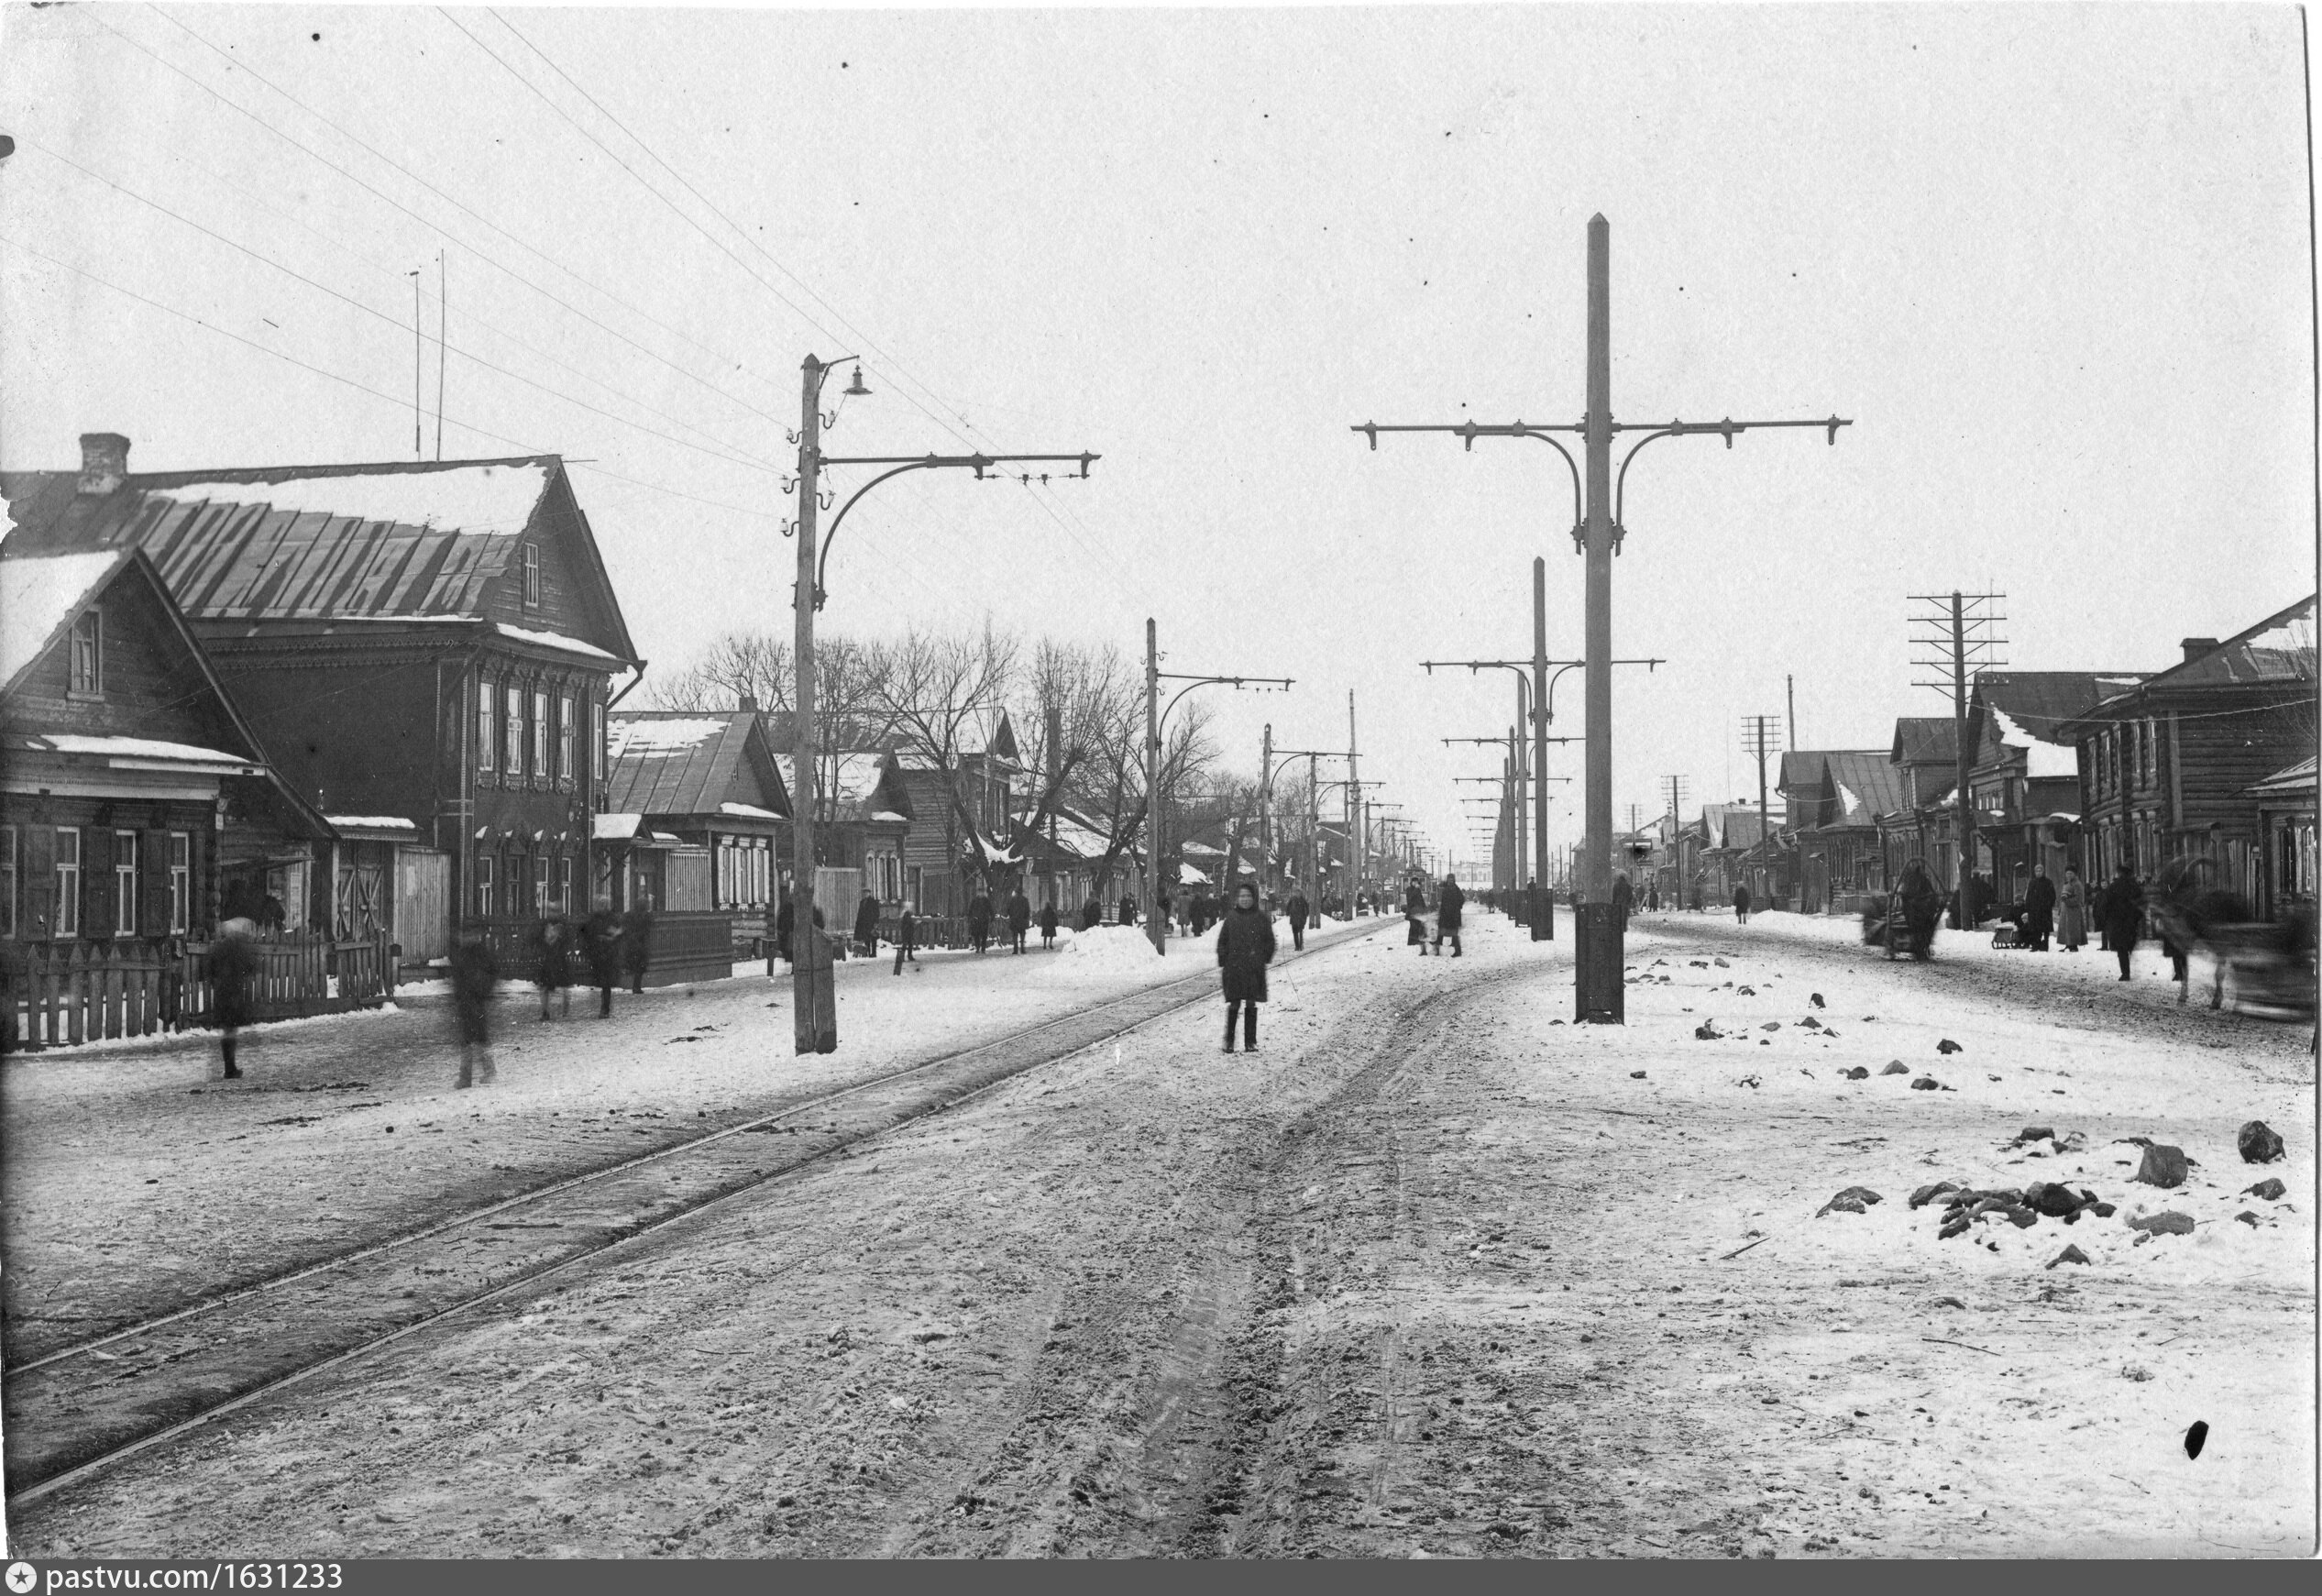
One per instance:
(1110,948)
(455,499)
(37,593)
(628,736)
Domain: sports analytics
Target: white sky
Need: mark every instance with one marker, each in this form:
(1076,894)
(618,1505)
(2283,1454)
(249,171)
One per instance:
(2053,260)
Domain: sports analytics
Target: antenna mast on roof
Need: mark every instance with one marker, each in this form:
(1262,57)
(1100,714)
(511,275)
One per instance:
(443,314)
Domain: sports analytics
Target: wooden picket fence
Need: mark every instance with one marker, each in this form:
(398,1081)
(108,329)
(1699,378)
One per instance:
(56,995)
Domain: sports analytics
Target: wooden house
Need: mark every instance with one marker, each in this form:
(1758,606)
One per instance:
(138,808)
(960,799)
(1840,861)
(434,643)
(1918,828)
(2286,873)
(2023,776)
(2169,766)
(697,819)
(1810,803)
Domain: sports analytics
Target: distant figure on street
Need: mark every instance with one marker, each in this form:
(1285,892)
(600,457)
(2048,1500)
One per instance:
(1653,899)
(474,972)
(637,945)
(1164,910)
(1245,947)
(1449,905)
(1092,914)
(552,940)
(2072,911)
(1623,897)
(1415,918)
(1019,918)
(601,945)
(1298,910)
(2123,916)
(233,961)
(1128,910)
(1741,902)
(979,920)
(2039,911)
(786,921)
(907,936)
(1048,927)
(867,925)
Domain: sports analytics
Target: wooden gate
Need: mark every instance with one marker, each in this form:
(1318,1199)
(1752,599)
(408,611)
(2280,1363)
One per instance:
(423,904)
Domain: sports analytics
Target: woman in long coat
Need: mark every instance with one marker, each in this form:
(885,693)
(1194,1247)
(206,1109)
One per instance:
(233,965)
(2072,911)
(1245,947)
(2123,919)
(1741,902)
(2039,910)
(867,925)
(552,940)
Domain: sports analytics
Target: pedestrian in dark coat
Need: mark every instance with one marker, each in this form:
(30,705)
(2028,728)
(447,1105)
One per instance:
(1019,918)
(552,940)
(637,945)
(1623,897)
(906,938)
(601,945)
(1047,926)
(1092,914)
(1741,902)
(1128,910)
(474,974)
(786,921)
(1449,906)
(1298,911)
(2122,915)
(1415,918)
(2072,911)
(979,920)
(867,925)
(1245,947)
(2039,911)
(234,968)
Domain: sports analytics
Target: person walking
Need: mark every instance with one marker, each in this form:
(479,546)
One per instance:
(1019,918)
(1245,947)
(866,924)
(1451,904)
(601,949)
(1128,910)
(552,946)
(637,945)
(1623,897)
(979,920)
(1048,927)
(2072,911)
(1298,911)
(234,968)
(785,921)
(2123,916)
(1741,902)
(2038,911)
(1415,916)
(475,973)
(1092,914)
(906,934)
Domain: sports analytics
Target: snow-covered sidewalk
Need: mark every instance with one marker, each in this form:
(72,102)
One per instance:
(136,1178)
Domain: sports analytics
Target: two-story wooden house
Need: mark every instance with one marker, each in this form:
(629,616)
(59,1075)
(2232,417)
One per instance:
(430,642)
(962,797)
(712,782)
(2023,780)
(2166,766)
(1920,827)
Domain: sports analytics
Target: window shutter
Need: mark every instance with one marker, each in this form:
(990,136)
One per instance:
(153,886)
(96,881)
(39,872)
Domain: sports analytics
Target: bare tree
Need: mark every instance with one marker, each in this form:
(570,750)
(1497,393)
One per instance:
(739,665)
(942,693)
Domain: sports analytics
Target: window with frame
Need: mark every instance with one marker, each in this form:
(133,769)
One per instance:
(2149,766)
(7,881)
(88,654)
(528,558)
(68,881)
(181,882)
(515,730)
(540,733)
(600,739)
(544,884)
(564,730)
(484,883)
(487,732)
(125,884)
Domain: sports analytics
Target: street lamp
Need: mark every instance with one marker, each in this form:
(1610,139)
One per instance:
(814,1020)
(1155,715)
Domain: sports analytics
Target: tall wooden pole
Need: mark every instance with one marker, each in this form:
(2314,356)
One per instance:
(1962,912)
(1155,927)
(1599,990)
(1354,811)
(1542,908)
(815,1023)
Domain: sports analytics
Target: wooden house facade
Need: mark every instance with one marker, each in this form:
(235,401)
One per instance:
(429,642)
(697,819)
(2168,765)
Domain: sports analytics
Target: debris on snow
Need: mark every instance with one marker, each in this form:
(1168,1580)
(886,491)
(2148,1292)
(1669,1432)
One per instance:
(1636,1074)
(1949,1046)
(1895,1067)
(2259,1142)
(1707,1031)
(1745,992)
(2270,1189)
(1926,1194)
(1853,1200)
(2168,1222)
(1926,1084)
(2195,1436)
(2163,1166)
(1771,1025)
(2069,1255)
(1859,1073)
(1816,1000)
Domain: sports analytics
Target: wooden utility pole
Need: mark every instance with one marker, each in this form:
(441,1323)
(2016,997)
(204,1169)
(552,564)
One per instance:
(815,1019)
(1354,811)
(1265,814)
(1155,927)
(1954,631)
(1758,741)
(1541,907)
(1962,913)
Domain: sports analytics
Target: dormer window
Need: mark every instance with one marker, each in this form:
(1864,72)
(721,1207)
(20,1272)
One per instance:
(528,560)
(88,660)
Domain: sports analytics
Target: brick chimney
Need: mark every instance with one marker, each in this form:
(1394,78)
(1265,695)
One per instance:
(2195,647)
(105,462)
(749,703)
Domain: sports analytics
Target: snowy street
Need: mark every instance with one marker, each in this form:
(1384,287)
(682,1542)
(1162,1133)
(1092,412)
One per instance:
(1432,1272)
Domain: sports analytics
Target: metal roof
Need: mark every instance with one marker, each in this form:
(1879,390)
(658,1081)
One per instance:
(674,762)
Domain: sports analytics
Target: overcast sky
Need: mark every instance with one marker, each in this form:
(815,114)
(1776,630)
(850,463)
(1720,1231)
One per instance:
(2054,261)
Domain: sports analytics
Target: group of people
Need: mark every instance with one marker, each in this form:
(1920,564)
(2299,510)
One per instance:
(1450,912)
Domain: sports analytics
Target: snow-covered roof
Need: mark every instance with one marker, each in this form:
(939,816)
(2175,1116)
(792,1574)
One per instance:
(747,811)
(2042,757)
(39,593)
(1188,877)
(994,854)
(126,753)
(889,815)
(611,828)
(628,736)
(554,640)
(372,822)
(480,498)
